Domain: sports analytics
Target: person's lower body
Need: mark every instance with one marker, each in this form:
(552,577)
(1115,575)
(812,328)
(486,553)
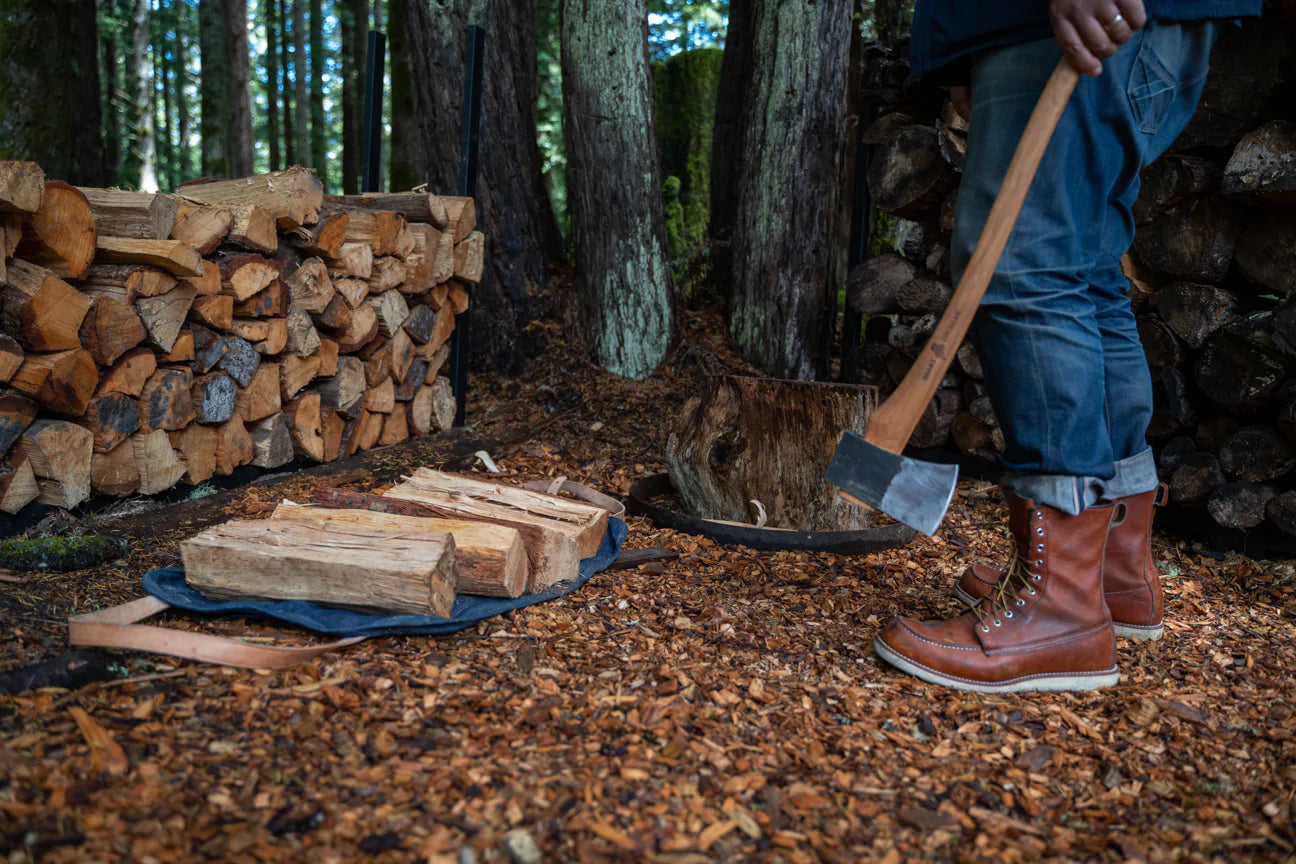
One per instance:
(1064,366)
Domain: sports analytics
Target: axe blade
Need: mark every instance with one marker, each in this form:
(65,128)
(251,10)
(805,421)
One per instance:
(910,491)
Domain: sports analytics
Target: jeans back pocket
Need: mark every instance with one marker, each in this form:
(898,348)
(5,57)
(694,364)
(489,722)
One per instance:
(1152,88)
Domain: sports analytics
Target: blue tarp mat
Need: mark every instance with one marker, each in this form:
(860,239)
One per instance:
(169,584)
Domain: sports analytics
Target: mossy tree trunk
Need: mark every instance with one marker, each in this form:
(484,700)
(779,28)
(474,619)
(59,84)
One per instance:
(50,107)
(512,206)
(785,235)
(614,190)
(726,148)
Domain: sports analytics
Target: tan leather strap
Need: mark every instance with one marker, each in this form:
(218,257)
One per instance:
(116,627)
(586,494)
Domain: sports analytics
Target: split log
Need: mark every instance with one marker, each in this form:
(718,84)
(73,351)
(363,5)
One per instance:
(333,426)
(781,469)
(420,411)
(214,397)
(355,261)
(1256,454)
(303,340)
(324,238)
(22,187)
(254,228)
(1195,478)
(128,282)
(270,300)
(18,486)
(344,392)
(16,411)
(159,467)
(401,349)
(328,354)
(418,207)
(260,398)
(178,259)
(1171,180)
(208,283)
(115,472)
(303,417)
(490,559)
(923,296)
(457,297)
(60,236)
(1240,505)
(295,373)
(110,329)
(908,175)
(412,381)
(404,245)
(336,316)
(355,567)
(470,257)
(200,225)
(873,287)
(584,523)
(111,418)
(391,310)
(238,359)
(1212,432)
(293,195)
(441,331)
(395,427)
(196,447)
(353,291)
(165,401)
(272,443)
(182,350)
(387,274)
(376,229)
(1161,346)
(255,330)
(461,216)
(443,260)
(1194,311)
(234,446)
(1172,403)
(245,274)
(1172,454)
(360,330)
(1266,250)
(370,429)
(419,261)
(443,403)
(552,553)
(11,356)
(439,295)
(129,374)
(165,315)
(381,399)
(1237,374)
(310,287)
(209,349)
(1193,241)
(933,429)
(1263,165)
(62,381)
(1281,511)
(59,453)
(216,311)
(12,226)
(418,324)
(137,215)
(377,359)
(41,310)
(351,429)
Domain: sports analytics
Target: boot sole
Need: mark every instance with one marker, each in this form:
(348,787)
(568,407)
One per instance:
(1065,682)
(1139,633)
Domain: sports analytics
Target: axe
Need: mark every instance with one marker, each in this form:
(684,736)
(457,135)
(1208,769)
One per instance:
(870,469)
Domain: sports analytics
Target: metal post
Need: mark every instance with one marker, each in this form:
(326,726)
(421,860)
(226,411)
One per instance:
(372,153)
(468,143)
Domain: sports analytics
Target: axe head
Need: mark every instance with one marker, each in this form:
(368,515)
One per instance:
(913,492)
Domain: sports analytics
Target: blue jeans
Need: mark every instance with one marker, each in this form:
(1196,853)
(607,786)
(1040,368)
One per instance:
(1063,363)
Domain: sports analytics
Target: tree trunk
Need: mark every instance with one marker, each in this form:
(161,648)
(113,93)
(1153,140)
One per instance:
(785,244)
(213,88)
(614,186)
(301,107)
(512,204)
(407,159)
(112,124)
(285,86)
(181,95)
(49,107)
(355,38)
(240,90)
(145,139)
(318,134)
(735,76)
(166,77)
(271,60)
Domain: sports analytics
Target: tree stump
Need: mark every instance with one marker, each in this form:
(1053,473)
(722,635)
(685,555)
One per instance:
(767,440)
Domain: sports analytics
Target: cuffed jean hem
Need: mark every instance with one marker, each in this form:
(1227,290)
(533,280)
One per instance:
(1072,494)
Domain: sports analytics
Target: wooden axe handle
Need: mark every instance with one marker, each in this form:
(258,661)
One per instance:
(893,422)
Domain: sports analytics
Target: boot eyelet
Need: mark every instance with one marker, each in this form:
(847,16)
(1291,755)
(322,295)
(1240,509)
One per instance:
(1021,602)
(985,629)
(1039,547)
(1036,577)
(1039,514)
(1039,532)
(1039,562)
(997,623)
(1008,613)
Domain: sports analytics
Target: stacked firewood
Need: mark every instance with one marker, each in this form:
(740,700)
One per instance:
(149,339)
(1211,273)
(411,550)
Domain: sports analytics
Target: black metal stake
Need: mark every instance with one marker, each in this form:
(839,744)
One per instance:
(468,143)
(372,153)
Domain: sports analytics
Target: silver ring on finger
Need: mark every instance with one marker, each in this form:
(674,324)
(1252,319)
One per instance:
(1119,19)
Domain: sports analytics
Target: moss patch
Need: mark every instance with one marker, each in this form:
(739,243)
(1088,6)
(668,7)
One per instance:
(59,553)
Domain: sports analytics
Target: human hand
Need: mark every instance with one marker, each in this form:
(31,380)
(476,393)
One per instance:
(1090,31)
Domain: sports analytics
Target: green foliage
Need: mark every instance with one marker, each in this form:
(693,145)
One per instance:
(59,553)
(682,25)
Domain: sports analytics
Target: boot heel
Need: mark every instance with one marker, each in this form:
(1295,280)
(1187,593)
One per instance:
(1150,633)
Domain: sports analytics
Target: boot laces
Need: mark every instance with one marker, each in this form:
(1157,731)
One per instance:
(1005,594)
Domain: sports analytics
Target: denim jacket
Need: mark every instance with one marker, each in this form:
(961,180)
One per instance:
(946,33)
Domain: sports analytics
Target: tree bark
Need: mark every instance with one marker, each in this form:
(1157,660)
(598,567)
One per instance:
(785,244)
(285,85)
(184,164)
(512,204)
(165,75)
(301,108)
(614,186)
(318,133)
(406,151)
(240,90)
(726,148)
(49,107)
(111,117)
(355,38)
(271,60)
(213,88)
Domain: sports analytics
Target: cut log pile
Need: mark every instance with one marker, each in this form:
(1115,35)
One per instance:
(150,339)
(1211,275)
(412,550)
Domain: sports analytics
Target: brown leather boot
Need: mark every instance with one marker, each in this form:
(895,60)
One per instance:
(1044,626)
(1131,584)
